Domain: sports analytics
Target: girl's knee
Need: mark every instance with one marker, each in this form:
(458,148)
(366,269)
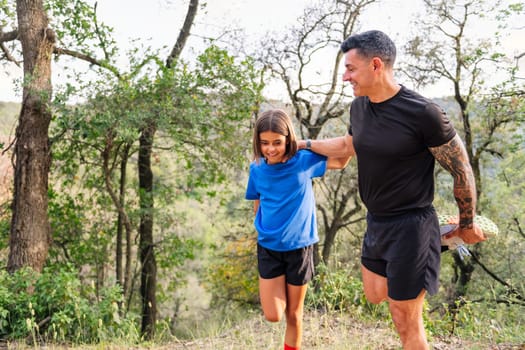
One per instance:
(294,318)
(273,315)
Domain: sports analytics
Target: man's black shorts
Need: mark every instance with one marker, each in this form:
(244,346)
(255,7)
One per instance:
(297,265)
(406,249)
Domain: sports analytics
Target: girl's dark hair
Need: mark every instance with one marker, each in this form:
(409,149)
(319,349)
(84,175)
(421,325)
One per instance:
(274,120)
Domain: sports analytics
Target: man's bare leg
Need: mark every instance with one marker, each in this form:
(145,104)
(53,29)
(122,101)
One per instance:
(407,315)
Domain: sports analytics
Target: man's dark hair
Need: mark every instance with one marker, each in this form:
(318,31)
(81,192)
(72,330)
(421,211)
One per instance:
(372,43)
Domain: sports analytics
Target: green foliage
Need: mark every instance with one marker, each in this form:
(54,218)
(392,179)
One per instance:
(77,239)
(172,253)
(338,291)
(7,13)
(232,275)
(495,323)
(56,306)
(202,115)
(9,112)
(201,121)
(4,233)
(5,224)
(210,109)
(76,25)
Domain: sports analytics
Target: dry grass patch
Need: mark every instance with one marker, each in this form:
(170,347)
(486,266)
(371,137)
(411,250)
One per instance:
(321,332)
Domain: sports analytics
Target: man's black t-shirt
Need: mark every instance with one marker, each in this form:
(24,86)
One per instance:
(391,140)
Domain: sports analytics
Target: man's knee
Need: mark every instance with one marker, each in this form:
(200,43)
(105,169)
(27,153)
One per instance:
(374,286)
(401,318)
(407,313)
(375,298)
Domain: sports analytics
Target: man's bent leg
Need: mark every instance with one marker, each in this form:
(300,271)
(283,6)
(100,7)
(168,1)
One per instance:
(374,285)
(408,319)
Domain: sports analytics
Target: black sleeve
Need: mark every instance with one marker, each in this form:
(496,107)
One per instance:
(437,128)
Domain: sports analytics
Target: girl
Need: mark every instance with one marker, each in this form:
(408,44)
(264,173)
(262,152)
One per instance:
(280,184)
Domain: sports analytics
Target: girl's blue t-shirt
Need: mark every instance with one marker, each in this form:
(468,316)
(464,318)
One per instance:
(286,218)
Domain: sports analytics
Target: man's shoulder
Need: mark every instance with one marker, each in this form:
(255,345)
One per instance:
(359,104)
(359,100)
(415,96)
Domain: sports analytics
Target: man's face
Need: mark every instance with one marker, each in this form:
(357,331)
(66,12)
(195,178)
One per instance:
(359,72)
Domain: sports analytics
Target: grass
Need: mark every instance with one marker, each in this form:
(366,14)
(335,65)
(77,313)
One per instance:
(321,331)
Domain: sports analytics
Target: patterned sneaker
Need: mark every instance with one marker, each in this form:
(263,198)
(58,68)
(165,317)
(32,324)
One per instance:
(448,223)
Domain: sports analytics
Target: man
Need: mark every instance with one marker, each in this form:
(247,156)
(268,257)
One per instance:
(396,136)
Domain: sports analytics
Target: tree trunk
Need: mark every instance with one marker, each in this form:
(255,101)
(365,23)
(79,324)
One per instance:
(30,233)
(328,243)
(123,276)
(465,268)
(129,244)
(147,252)
(120,225)
(183,34)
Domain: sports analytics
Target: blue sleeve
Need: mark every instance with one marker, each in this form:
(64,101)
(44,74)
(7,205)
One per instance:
(251,191)
(315,163)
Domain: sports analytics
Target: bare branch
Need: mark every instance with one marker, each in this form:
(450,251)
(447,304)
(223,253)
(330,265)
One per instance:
(511,289)
(520,229)
(100,37)
(6,37)
(87,58)
(9,36)
(184,33)
(8,55)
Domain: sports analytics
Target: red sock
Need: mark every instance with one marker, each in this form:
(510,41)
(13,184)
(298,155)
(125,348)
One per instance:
(288,347)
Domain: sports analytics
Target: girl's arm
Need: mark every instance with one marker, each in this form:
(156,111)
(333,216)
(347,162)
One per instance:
(255,206)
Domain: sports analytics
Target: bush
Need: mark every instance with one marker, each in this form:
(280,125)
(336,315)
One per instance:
(232,275)
(56,306)
(338,291)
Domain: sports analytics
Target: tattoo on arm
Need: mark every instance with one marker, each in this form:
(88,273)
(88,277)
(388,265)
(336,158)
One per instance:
(453,157)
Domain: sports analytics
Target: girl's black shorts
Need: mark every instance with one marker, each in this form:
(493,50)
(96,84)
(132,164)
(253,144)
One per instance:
(296,265)
(406,249)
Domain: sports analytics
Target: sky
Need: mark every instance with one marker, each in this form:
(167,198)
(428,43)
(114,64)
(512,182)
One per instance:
(157,23)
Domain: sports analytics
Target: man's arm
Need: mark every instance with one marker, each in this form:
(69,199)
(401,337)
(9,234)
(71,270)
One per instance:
(339,150)
(337,163)
(337,147)
(453,157)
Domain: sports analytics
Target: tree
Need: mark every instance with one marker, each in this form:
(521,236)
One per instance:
(193,110)
(146,140)
(318,99)
(30,232)
(201,115)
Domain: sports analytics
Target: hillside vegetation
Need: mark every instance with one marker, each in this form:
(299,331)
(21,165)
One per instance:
(321,332)
(8,116)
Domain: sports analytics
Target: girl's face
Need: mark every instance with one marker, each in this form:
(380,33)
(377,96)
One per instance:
(273,146)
